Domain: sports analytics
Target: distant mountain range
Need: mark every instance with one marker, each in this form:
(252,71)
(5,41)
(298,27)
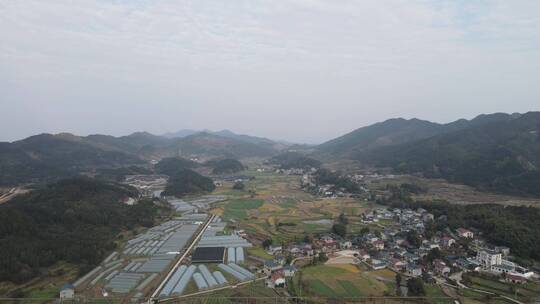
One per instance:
(226,133)
(45,156)
(497,152)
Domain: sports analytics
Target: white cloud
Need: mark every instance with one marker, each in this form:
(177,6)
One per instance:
(297,69)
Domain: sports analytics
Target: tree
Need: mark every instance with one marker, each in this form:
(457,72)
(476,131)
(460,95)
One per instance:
(322,257)
(413,238)
(239,186)
(415,287)
(364,230)
(431,229)
(267,243)
(288,259)
(433,254)
(466,279)
(398,280)
(343,219)
(339,229)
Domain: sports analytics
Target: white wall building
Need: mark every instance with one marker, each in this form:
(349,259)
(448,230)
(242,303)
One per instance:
(488,258)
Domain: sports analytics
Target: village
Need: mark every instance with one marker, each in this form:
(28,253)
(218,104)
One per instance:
(401,240)
(402,246)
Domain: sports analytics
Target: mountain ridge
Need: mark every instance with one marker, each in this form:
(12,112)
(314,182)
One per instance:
(51,156)
(396,131)
(496,152)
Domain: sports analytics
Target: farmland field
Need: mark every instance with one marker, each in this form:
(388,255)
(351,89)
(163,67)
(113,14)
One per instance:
(274,206)
(524,292)
(337,281)
(236,209)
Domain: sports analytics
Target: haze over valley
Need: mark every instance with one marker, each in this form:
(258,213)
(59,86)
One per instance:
(264,152)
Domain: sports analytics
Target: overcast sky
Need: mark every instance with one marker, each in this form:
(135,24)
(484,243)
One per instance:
(299,70)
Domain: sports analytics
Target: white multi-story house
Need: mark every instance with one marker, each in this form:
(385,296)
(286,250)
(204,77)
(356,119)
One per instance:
(488,258)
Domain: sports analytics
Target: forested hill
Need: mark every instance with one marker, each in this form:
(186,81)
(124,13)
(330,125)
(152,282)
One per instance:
(211,145)
(186,182)
(290,160)
(73,220)
(47,157)
(225,166)
(395,132)
(171,165)
(501,156)
(391,132)
(182,180)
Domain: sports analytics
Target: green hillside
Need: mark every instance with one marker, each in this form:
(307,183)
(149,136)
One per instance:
(225,166)
(48,157)
(186,182)
(73,220)
(501,156)
(394,132)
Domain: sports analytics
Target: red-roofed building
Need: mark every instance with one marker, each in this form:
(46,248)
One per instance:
(516,279)
(276,279)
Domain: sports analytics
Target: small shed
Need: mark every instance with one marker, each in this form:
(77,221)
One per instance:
(67,292)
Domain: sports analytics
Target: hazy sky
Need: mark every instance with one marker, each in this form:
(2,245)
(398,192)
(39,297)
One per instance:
(300,70)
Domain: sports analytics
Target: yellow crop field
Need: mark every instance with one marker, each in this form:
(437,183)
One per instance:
(348,267)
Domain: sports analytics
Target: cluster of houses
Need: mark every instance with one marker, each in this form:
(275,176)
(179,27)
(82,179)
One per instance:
(276,273)
(391,247)
(309,183)
(233,178)
(295,171)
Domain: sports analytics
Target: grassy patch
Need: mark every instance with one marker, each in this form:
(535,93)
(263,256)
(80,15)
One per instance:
(319,288)
(314,228)
(350,289)
(323,270)
(338,282)
(288,203)
(436,294)
(236,209)
(259,252)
